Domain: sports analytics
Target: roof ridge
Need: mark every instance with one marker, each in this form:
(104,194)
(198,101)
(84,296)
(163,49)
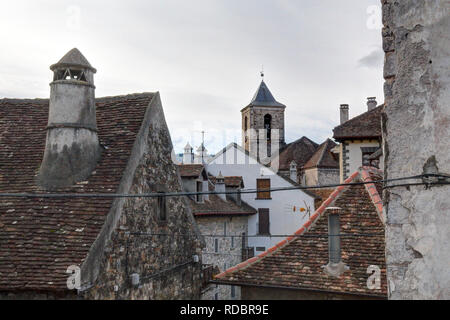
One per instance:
(363,172)
(43,100)
(360,115)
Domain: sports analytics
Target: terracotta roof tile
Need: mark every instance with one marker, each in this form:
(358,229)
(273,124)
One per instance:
(41,237)
(190,170)
(296,262)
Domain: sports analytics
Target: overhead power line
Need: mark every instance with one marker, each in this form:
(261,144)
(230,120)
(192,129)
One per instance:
(243,191)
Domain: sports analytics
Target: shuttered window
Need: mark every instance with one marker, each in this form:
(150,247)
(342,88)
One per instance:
(263,222)
(263,184)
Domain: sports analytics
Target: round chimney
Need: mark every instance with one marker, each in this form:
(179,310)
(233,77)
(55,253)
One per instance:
(72,147)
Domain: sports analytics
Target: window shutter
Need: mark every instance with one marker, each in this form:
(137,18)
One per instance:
(263,184)
(264,222)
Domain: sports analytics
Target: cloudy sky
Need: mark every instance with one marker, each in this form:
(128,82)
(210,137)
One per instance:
(204,57)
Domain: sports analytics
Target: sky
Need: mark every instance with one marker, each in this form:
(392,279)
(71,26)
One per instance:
(205,57)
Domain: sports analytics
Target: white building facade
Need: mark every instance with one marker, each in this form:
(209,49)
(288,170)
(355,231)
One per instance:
(279,213)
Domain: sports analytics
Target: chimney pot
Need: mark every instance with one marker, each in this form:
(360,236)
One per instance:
(344,113)
(72,145)
(371,103)
(220,186)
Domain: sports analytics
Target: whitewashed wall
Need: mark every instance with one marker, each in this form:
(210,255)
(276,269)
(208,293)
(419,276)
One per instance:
(234,162)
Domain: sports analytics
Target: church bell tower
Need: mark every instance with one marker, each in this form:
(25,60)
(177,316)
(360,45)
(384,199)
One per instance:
(263,124)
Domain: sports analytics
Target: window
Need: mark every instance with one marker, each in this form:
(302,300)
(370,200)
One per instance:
(366,152)
(263,184)
(225,228)
(199,197)
(216,296)
(233,291)
(268,125)
(162,208)
(334,241)
(232,242)
(261,249)
(263,222)
(216,245)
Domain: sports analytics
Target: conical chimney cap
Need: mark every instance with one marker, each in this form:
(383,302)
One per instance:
(73,58)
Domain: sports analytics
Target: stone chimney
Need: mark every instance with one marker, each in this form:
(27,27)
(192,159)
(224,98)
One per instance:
(72,147)
(344,113)
(188,155)
(220,186)
(293,171)
(371,103)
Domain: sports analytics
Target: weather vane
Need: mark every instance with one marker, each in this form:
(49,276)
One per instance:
(262,72)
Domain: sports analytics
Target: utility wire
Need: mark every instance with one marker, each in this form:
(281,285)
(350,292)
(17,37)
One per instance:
(345,235)
(243,191)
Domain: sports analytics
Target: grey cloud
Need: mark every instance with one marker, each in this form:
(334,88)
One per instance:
(373,60)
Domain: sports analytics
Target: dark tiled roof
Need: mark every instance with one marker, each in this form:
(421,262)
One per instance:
(299,151)
(190,170)
(323,157)
(297,262)
(263,97)
(366,125)
(322,195)
(40,238)
(230,181)
(216,206)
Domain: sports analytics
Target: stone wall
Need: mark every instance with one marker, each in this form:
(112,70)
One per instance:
(255,118)
(164,257)
(229,253)
(416,134)
(320,176)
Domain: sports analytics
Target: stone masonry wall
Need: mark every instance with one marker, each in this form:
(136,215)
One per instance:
(228,255)
(255,118)
(173,242)
(416,135)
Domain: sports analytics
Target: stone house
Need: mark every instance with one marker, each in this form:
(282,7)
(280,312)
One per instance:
(359,139)
(223,220)
(323,166)
(71,246)
(337,254)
